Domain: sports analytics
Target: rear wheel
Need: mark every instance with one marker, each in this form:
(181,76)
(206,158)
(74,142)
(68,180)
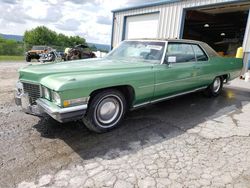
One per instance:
(215,88)
(53,57)
(106,110)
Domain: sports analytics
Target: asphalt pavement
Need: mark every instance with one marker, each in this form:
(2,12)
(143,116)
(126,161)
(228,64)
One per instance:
(189,141)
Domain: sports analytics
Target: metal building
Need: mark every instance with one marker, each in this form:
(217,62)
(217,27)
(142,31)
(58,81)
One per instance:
(224,24)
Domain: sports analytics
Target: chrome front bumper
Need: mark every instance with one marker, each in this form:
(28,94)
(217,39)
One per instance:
(44,107)
(24,101)
(61,114)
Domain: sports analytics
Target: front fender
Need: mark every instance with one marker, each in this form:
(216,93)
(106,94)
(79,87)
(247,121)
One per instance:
(72,86)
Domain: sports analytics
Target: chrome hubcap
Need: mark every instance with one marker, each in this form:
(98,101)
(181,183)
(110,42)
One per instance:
(216,85)
(108,110)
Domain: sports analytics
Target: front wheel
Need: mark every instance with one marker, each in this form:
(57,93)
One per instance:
(106,110)
(215,88)
(28,58)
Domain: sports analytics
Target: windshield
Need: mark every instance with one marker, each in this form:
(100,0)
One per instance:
(38,48)
(139,50)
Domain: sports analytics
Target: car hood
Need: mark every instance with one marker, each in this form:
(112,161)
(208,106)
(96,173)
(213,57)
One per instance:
(35,73)
(35,51)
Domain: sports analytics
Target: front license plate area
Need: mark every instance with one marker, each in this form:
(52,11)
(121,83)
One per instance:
(25,101)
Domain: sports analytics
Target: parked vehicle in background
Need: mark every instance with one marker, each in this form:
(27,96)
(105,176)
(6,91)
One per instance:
(35,52)
(100,54)
(50,56)
(65,54)
(80,51)
(135,74)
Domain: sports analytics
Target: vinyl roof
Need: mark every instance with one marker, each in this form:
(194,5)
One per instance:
(156,3)
(166,39)
(204,45)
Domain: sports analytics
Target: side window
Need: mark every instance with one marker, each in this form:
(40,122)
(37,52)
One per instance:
(200,55)
(182,52)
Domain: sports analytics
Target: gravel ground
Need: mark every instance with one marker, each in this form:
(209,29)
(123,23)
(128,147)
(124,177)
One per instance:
(190,141)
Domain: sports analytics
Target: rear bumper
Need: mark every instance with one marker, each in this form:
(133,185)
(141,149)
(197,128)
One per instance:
(46,108)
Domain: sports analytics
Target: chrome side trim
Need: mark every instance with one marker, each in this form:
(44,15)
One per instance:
(168,97)
(141,105)
(183,79)
(146,86)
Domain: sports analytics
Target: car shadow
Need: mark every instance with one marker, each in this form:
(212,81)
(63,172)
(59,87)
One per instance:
(144,127)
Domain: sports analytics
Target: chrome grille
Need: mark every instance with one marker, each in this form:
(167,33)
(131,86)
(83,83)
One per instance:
(33,91)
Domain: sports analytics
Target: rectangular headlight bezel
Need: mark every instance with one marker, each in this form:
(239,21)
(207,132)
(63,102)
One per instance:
(46,93)
(55,97)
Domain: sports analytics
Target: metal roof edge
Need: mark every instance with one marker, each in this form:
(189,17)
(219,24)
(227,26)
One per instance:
(145,5)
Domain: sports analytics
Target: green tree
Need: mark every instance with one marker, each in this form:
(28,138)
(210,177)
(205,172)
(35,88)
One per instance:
(74,40)
(10,47)
(62,40)
(41,35)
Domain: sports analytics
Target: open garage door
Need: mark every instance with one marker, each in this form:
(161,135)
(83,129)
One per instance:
(222,27)
(142,26)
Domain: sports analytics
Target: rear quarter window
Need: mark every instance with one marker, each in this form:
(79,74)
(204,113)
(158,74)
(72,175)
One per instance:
(199,53)
(209,50)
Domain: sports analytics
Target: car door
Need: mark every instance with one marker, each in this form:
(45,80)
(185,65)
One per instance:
(203,66)
(176,76)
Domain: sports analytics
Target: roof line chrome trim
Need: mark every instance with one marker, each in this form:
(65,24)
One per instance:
(146,40)
(168,97)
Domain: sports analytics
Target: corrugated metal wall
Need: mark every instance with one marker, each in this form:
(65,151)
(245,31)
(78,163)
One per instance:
(170,20)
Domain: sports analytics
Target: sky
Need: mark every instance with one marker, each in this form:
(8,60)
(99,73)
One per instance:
(91,19)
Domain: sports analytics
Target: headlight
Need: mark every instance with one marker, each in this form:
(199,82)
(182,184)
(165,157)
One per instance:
(19,88)
(56,98)
(46,93)
(75,102)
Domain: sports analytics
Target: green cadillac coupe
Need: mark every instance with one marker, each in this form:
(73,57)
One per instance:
(136,73)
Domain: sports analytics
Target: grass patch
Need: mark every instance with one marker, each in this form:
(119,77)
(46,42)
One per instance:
(11,58)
